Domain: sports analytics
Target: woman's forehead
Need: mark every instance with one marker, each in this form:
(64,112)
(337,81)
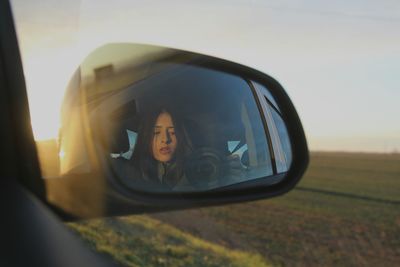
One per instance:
(164,119)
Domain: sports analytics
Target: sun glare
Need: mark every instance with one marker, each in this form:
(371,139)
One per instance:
(47,77)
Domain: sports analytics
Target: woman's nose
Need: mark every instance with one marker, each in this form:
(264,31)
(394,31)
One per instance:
(166,138)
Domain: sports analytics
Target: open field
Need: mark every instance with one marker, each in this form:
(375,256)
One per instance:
(345,212)
(143,241)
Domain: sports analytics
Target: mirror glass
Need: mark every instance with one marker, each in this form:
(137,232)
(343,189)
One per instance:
(160,120)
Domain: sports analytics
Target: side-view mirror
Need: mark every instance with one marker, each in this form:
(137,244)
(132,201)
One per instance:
(148,128)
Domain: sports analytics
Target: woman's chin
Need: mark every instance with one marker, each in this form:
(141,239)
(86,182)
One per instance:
(163,158)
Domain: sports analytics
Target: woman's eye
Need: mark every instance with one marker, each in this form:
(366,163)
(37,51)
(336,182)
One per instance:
(155,133)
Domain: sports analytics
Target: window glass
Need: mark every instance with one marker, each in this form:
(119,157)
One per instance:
(277,131)
(283,137)
(345,211)
(267,94)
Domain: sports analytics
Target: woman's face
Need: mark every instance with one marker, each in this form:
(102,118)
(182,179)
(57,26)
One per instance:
(164,139)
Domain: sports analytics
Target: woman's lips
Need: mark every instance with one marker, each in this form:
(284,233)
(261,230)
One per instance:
(165,150)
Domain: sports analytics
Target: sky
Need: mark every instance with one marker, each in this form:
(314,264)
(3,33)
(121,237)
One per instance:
(339,61)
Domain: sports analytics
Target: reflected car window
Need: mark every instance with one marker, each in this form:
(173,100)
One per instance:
(283,137)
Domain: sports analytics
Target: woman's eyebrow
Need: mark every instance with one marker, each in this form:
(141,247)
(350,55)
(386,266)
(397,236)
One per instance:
(168,127)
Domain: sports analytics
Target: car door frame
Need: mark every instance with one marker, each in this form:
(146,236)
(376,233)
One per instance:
(31,234)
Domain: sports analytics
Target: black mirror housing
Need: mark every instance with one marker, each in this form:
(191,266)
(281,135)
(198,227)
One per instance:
(228,111)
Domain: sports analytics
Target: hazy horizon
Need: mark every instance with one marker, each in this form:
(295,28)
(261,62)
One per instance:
(338,61)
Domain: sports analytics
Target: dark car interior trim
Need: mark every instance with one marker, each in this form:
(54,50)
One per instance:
(16,112)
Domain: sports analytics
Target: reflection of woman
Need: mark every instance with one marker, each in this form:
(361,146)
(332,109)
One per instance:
(161,149)
(160,154)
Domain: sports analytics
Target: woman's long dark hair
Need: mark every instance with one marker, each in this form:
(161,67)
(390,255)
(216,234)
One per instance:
(143,158)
